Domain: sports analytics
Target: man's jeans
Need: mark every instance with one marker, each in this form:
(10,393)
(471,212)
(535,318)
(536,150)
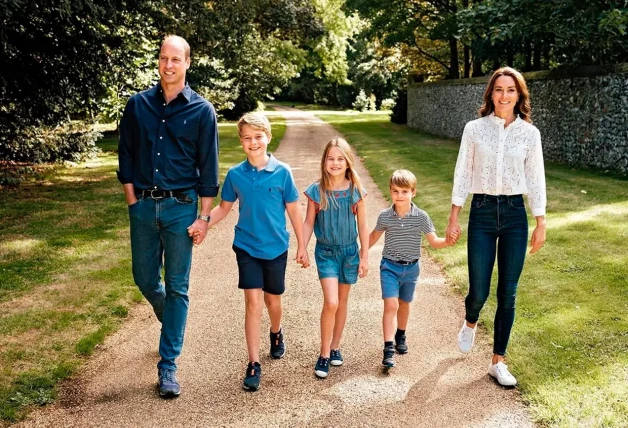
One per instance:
(498,225)
(159,238)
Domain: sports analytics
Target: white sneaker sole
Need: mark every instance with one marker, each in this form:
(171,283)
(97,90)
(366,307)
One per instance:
(321,374)
(336,363)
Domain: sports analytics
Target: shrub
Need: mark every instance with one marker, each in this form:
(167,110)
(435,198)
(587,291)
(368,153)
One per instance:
(73,141)
(361,102)
(387,104)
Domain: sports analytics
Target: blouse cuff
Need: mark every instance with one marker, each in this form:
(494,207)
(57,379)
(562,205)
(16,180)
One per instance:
(538,212)
(458,201)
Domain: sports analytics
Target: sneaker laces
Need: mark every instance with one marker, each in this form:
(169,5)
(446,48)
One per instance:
(167,375)
(502,370)
(322,361)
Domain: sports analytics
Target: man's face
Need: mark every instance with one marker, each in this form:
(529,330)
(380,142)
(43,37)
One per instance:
(173,63)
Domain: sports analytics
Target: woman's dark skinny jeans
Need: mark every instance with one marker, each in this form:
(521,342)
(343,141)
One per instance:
(498,226)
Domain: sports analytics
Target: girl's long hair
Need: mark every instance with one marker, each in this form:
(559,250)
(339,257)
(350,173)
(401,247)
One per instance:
(522,108)
(351,174)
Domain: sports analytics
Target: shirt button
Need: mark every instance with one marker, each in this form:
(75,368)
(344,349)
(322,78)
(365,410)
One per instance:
(155,187)
(163,120)
(161,138)
(156,170)
(158,154)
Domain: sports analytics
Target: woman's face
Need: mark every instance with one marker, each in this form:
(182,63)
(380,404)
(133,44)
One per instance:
(504,96)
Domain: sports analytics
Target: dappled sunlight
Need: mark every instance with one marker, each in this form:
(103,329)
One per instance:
(618,209)
(371,390)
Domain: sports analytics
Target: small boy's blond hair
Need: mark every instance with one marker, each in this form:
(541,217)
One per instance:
(402,178)
(256,120)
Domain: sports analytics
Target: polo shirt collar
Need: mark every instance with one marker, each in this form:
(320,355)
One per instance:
(414,210)
(270,166)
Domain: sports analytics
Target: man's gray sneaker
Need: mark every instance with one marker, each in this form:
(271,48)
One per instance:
(168,383)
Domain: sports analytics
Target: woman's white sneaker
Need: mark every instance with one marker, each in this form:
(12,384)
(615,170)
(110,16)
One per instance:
(500,372)
(466,338)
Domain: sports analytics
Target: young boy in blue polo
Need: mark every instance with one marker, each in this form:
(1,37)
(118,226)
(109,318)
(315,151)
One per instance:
(266,190)
(403,223)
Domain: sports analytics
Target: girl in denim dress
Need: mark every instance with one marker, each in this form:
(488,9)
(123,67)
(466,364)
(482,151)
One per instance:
(336,213)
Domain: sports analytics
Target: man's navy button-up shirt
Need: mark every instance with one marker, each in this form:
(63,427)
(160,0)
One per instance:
(169,146)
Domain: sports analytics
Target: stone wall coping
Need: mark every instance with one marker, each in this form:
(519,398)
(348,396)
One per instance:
(559,73)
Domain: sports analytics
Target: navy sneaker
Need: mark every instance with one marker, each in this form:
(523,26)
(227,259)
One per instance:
(321,369)
(400,344)
(389,357)
(277,345)
(168,384)
(335,359)
(253,376)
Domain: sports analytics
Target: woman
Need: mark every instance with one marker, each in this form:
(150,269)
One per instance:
(500,159)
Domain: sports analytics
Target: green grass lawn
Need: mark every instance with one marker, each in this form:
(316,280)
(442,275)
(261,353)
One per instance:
(569,347)
(65,266)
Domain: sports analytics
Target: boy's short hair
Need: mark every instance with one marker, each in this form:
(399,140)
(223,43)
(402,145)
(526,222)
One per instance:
(256,120)
(402,178)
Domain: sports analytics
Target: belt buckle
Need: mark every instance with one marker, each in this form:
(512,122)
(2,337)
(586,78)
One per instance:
(155,197)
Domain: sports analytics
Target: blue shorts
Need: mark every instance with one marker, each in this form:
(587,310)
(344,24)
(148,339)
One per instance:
(269,275)
(398,280)
(338,261)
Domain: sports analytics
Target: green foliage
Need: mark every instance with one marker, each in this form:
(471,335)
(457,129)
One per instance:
(361,102)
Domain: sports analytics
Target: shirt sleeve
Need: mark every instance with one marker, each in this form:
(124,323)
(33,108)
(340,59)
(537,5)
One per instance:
(290,191)
(379,226)
(126,145)
(313,193)
(427,224)
(207,154)
(463,174)
(228,193)
(534,170)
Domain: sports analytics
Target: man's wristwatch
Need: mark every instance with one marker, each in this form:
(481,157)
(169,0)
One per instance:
(204,218)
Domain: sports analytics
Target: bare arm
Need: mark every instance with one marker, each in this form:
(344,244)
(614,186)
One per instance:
(363,236)
(294,213)
(374,237)
(436,242)
(219,212)
(308,224)
(198,229)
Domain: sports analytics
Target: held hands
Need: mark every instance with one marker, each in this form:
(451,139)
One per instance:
(453,232)
(198,231)
(302,258)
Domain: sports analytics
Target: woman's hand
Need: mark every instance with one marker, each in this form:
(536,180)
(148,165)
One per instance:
(538,236)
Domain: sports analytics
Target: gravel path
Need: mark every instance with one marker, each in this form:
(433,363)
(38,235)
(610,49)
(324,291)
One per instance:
(432,386)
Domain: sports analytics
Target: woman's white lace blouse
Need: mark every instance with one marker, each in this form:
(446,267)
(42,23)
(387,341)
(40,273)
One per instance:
(500,161)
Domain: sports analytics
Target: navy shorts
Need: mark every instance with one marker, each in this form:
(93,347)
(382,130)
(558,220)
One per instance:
(398,280)
(269,275)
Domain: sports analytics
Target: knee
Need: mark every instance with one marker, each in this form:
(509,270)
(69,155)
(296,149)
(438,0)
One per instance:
(506,301)
(272,303)
(391,305)
(330,305)
(254,306)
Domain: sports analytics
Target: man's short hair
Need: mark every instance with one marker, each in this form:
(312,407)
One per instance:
(256,120)
(402,178)
(186,45)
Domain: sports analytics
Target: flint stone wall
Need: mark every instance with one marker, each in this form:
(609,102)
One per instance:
(582,113)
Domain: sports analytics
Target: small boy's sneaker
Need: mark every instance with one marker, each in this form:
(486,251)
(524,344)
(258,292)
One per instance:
(277,345)
(253,376)
(321,369)
(389,357)
(466,338)
(335,359)
(400,344)
(500,372)
(168,383)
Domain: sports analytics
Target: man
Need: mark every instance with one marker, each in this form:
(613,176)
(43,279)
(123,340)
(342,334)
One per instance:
(168,159)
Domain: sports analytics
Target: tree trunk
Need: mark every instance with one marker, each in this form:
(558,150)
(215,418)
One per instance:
(467,61)
(454,71)
(527,47)
(536,57)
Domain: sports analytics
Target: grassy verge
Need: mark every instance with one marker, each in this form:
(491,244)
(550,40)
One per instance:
(65,270)
(569,347)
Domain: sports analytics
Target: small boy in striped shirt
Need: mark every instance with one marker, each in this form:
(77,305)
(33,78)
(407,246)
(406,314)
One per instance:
(403,223)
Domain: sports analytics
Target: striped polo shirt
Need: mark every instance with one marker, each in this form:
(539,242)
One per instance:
(402,239)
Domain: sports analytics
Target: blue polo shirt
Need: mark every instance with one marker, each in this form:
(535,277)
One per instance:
(261,229)
(169,146)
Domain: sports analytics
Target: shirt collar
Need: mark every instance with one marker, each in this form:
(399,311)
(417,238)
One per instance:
(186,92)
(500,121)
(270,166)
(414,211)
